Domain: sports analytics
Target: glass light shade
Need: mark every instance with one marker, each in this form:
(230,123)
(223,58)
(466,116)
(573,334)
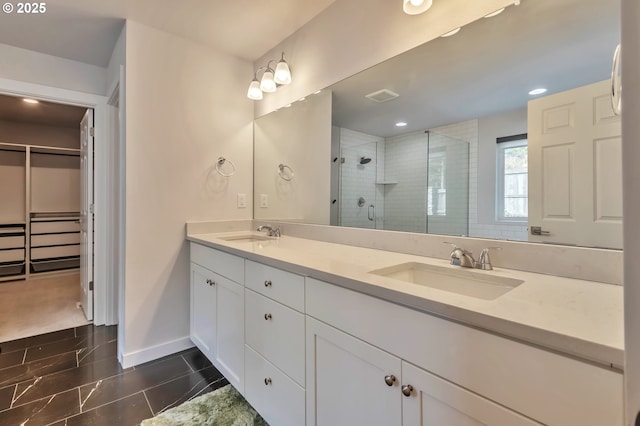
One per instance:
(254,91)
(267,84)
(416,7)
(282,74)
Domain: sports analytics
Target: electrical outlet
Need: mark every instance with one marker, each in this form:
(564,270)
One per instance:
(264,200)
(242,201)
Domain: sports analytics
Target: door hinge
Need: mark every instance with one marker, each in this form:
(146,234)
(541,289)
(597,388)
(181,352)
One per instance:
(92,132)
(90,285)
(91,208)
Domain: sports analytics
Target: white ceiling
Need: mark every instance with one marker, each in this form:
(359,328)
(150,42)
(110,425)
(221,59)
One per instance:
(487,68)
(87,30)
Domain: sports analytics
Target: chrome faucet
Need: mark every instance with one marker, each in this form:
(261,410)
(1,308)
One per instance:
(484,262)
(461,257)
(271,231)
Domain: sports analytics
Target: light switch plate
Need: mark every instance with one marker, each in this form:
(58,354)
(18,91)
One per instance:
(242,201)
(264,200)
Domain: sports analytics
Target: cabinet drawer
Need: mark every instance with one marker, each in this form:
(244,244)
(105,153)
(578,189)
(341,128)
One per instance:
(16,241)
(55,239)
(277,333)
(282,286)
(12,255)
(54,226)
(548,387)
(222,263)
(274,395)
(52,252)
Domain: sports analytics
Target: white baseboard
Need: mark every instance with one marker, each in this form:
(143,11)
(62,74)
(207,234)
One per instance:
(154,352)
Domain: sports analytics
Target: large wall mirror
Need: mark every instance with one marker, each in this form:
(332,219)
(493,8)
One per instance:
(447,139)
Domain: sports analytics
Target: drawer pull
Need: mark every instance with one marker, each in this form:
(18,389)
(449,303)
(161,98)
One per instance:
(267,283)
(267,381)
(211,282)
(407,389)
(267,317)
(390,379)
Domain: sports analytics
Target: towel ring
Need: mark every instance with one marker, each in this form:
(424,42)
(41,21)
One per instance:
(221,161)
(282,174)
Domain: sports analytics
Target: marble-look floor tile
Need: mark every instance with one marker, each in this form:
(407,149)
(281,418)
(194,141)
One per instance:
(11,358)
(50,384)
(129,411)
(43,411)
(131,382)
(43,367)
(175,392)
(41,339)
(196,359)
(6,396)
(83,343)
(97,353)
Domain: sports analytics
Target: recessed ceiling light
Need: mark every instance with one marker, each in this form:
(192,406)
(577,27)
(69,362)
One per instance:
(302,99)
(315,93)
(450,33)
(31,101)
(537,91)
(287,106)
(496,13)
(401,124)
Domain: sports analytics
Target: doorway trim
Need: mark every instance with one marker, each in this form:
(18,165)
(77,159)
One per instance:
(102,183)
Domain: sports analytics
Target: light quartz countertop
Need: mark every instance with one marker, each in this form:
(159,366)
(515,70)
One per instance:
(575,317)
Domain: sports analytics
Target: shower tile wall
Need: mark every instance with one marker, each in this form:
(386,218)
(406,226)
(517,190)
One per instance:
(468,131)
(360,180)
(405,203)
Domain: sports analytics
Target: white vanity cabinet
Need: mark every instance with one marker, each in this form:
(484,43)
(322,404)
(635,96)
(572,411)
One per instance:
(275,344)
(462,376)
(217,310)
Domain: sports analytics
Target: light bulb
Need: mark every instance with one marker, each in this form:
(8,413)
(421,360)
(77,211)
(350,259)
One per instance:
(267,84)
(282,74)
(415,7)
(416,2)
(254,91)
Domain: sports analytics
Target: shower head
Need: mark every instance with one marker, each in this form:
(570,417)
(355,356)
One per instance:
(365,160)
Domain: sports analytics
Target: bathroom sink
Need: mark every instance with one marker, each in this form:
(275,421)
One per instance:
(469,282)
(249,238)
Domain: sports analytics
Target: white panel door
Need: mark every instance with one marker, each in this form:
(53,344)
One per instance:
(229,324)
(575,168)
(202,329)
(347,380)
(429,400)
(86,213)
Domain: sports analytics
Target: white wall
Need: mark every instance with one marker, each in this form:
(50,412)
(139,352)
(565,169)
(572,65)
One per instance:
(305,146)
(186,106)
(33,67)
(352,35)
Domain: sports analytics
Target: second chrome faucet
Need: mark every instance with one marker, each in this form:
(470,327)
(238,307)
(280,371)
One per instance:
(464,258)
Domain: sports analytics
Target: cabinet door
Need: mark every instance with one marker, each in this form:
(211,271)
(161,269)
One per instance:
(346,380)
(229,356)
(203,310)
(430,400)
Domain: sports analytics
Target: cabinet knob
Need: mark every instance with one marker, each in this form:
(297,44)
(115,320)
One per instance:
(267,283)
(267,381)
(267,317)
(407,389)
(390,379)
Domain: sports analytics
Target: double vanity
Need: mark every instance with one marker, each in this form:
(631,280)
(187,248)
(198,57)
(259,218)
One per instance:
(319,333)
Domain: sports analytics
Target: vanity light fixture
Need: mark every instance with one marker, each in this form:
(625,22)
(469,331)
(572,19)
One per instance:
(450,33)
(416,7)
(30,101)
(270,79)
(538,91)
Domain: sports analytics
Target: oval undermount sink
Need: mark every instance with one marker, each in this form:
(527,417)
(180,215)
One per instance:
(251,238)
(468,282)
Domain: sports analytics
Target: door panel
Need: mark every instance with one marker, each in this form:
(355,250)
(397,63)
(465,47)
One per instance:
(86,213)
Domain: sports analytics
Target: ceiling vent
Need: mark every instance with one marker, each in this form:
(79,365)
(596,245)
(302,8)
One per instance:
(383,95)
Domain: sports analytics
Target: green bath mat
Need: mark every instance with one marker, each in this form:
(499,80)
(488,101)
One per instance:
(222,407)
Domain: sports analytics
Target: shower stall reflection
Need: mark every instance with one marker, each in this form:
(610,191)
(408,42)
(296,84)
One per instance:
(417,182)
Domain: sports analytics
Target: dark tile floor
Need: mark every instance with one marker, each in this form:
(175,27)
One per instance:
(72,377)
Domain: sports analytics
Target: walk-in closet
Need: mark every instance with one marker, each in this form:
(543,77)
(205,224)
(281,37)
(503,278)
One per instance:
(40,188)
